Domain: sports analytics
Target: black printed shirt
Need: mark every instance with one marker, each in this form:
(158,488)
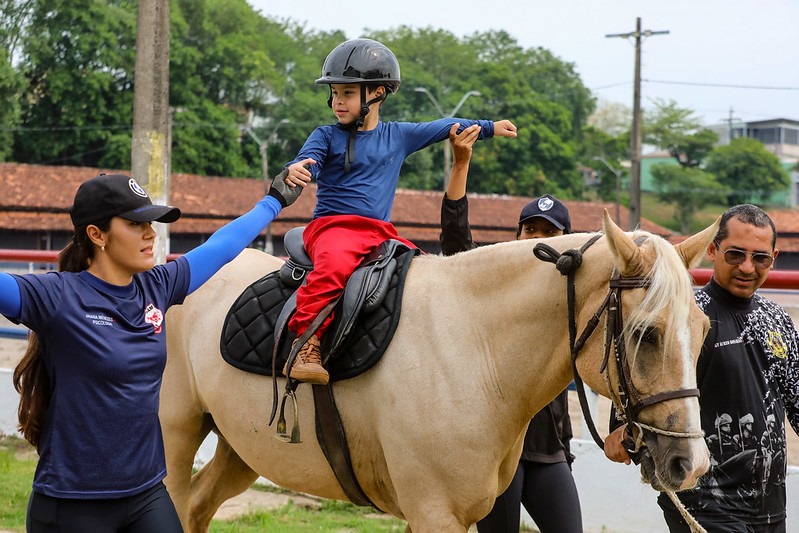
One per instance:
(748,375)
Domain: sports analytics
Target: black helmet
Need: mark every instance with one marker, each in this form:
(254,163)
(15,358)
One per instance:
(361,61)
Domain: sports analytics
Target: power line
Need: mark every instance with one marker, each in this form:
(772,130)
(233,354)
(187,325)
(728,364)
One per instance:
(723,85)
(701,84)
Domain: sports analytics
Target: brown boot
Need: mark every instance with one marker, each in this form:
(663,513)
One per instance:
(307,365)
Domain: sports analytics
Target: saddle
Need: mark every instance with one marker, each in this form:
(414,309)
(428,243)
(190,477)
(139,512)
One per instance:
(366,315)
(255,338)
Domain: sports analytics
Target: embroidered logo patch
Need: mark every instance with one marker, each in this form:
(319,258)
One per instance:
(154,316)
(545,204)
(136,188)
(776,345)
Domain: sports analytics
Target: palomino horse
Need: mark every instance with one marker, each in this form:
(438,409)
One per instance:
(435,428)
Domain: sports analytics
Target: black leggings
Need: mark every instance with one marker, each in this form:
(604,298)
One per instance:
(548,493)
(152,511)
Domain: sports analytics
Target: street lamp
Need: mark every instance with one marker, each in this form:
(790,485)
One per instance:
(618,173)
(262,146)
(447,157)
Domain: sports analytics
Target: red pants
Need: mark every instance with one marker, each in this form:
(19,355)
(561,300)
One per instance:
(337,245)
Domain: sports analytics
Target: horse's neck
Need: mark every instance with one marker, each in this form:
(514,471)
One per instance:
(518,306)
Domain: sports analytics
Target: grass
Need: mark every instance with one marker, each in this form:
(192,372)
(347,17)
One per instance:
(664,214)
(18,463)
(333,516)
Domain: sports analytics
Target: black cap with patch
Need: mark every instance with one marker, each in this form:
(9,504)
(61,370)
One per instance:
(117,195)
(549,208)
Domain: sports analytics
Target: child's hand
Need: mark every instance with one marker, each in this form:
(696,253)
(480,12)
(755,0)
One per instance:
(462,142)
(504,128)
(298,173)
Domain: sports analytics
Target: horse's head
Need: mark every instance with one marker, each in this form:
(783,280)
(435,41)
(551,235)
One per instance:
(658,335)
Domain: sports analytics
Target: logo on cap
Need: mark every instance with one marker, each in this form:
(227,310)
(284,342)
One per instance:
(136,188)
(545,203)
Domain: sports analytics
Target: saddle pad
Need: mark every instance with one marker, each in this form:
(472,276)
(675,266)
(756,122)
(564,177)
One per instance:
(248,335)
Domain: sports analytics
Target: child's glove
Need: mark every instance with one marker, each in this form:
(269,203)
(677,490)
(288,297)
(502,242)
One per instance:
(281,191)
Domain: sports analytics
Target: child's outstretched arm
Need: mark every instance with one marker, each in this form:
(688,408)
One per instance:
(504,128)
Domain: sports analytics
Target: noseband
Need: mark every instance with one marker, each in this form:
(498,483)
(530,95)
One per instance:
(630,402)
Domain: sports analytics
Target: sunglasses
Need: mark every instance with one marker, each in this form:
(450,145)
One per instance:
(737,257)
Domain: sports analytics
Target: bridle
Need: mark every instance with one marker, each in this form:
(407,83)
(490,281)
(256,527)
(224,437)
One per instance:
(630,402)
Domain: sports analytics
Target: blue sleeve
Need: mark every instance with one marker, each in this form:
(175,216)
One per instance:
(316,147)
(422,134)
(9,296)
(229,240)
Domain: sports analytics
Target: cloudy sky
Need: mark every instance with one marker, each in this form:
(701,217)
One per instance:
(719,55)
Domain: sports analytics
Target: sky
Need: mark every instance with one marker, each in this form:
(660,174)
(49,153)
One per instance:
(722,58)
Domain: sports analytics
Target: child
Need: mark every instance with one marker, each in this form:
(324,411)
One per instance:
(356,163)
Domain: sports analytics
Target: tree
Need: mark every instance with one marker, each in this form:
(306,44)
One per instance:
(613,118)
(689,189)
(13,20)
(748,170)
(232,68)
(678,131)
(77,61)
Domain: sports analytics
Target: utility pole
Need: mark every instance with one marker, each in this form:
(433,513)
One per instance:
(151,143)
(263,144)
(635,140)
(730,120)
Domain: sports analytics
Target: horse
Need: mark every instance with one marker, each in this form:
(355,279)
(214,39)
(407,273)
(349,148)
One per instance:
(435,428)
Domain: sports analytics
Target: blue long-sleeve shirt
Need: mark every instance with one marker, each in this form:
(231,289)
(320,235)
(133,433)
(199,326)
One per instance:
(368,188)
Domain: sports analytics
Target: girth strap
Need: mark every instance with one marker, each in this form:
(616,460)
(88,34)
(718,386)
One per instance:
(333,441)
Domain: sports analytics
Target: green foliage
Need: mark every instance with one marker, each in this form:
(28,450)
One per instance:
(77,62)
(232,68)
(750,171)
(597,146)
(689,189)
(678,131)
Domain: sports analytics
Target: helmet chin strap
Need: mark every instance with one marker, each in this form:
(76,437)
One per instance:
(349,156)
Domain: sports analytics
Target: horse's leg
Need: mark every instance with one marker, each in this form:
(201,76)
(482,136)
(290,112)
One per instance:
(182,440)
(225,476)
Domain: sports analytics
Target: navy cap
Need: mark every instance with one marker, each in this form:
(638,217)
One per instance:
(549,208)
(116,195)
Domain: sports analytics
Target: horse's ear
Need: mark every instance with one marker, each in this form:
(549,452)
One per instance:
(627,254)
(693,248)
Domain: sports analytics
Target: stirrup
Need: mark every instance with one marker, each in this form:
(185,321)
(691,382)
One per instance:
(281,434)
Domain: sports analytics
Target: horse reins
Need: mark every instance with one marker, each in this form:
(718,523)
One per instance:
(630,402)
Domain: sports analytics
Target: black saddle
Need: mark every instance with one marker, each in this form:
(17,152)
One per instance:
(366,316)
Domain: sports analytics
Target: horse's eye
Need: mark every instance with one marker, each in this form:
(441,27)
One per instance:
(647,336)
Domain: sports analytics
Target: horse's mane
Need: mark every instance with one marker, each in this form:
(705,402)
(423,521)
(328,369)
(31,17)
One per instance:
(669,296)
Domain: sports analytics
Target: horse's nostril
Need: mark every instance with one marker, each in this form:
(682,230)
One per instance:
(680,468)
